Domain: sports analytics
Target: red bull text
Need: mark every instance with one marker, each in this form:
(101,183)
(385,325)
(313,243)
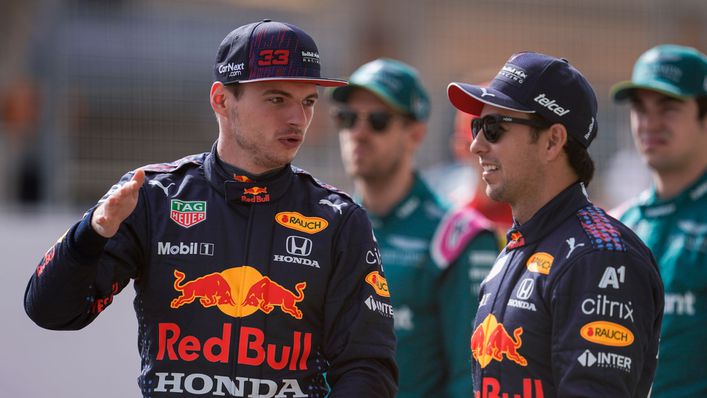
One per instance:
(491,388)
(252,349)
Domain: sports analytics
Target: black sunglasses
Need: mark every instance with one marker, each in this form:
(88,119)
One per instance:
(493,130)
(346,119)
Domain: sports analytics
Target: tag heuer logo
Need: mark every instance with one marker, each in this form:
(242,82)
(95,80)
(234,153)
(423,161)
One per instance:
(187,213)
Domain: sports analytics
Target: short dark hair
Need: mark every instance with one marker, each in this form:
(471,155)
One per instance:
(235,88)
(578,156)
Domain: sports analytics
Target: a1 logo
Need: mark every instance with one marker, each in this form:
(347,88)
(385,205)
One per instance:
(613,277)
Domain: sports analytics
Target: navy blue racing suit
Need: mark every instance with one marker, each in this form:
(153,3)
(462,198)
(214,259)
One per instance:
(244,287)
(571,308)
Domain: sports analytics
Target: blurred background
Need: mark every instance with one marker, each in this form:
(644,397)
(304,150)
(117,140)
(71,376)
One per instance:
(90,89)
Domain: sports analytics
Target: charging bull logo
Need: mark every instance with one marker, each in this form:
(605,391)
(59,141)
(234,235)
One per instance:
(266,294)
(238,292)
(491,341)
(211,290)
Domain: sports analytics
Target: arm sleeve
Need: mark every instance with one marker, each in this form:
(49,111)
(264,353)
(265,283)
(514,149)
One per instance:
(359,341)
(607,309)
(79,275)
(457,300)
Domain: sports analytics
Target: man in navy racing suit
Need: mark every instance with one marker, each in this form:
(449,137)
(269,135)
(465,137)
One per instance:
(573,304)
(252,278)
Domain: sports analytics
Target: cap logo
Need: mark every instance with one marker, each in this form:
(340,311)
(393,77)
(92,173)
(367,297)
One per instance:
(310,57)
(274,57)
(485,93)
(234,69)
(551,105)
(512,74)
(589,130)
(670,72)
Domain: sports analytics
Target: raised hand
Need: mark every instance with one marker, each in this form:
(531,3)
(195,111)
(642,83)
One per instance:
(113,211)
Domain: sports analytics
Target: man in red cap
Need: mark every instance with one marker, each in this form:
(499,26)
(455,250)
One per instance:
(252,278)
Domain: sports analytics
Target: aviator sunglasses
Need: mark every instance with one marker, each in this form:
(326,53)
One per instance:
(493,130)
(346,119)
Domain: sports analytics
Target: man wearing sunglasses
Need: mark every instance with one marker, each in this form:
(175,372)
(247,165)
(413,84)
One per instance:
(668,98)
(251,277)
(573,305)
(382,119)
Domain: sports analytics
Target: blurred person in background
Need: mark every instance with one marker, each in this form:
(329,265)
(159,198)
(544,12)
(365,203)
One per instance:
(382,120)
(20,106)
(251,277)
(573,304)
(667,94)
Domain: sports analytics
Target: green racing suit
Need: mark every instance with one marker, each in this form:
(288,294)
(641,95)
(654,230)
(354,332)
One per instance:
(433,289)
(675,230)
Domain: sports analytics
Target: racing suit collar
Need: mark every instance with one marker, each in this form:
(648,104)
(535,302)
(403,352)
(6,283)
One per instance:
(405,207)
(242,188)
(651,206)
(549,217)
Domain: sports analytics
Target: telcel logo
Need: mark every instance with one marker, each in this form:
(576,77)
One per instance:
(551,105)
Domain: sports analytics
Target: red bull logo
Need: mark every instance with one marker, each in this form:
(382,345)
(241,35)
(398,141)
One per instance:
(211,289)
(255,190)
(491,388)
(266,294)
(253,350)
(255,195)
(517,240)
(241,178)
(491,341)
(238,292)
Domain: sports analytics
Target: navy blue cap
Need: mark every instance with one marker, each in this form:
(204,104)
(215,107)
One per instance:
(531,82)
(269,51)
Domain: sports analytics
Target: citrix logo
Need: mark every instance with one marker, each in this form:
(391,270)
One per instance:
(551,105)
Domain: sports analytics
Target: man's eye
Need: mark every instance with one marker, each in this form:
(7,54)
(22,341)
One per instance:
(275,100)
(309,102)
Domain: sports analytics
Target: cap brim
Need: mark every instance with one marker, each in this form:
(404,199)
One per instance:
(471,99)
(324,82)
(341,94)
(621,91)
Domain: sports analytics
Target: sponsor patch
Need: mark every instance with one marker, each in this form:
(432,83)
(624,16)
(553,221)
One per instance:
(491,341)
(380,285)
(607,333)
(380,307)
(298,222)
(238,292)
(187,213)
(540,262)
(599,359)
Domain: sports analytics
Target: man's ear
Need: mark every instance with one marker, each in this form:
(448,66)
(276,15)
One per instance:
(555,141)
(218,97)
(417,132)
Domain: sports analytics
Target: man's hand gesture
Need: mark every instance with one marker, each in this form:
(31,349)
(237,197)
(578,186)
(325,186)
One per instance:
(114,210)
